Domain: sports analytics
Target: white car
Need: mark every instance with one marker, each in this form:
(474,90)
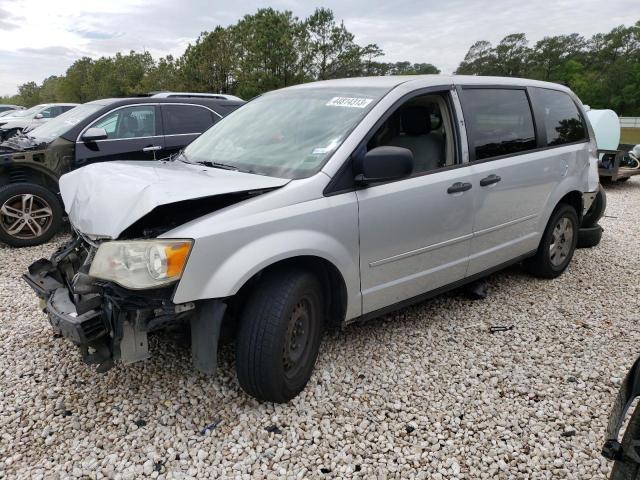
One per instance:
(25,120)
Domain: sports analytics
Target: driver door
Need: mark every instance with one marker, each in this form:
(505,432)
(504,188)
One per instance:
(133,133)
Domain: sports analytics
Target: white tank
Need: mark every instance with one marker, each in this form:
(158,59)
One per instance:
(606,126)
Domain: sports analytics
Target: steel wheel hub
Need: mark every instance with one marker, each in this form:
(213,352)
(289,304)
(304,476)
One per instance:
(25,216)
(561,241)
(298,335)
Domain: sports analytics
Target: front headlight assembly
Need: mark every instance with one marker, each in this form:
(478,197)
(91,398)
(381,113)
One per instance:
(140,264)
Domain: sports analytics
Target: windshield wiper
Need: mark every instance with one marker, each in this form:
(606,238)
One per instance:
(223,166)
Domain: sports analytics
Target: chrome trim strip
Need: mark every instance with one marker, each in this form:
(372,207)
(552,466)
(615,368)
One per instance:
(120,139)
(503,225)
(418,251)
(447,243)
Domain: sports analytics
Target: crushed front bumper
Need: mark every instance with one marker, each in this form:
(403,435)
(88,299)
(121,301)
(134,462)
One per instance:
(107,322)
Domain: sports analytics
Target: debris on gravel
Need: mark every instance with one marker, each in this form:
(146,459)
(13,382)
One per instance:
(427,392)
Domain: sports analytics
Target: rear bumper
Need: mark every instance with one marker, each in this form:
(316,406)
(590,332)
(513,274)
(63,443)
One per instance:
(587,201)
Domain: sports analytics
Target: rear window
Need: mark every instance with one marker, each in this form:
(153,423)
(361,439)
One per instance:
(562,119)
(499,121)
(183,119)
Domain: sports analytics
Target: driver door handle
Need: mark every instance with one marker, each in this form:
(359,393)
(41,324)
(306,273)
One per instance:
(490,180)
(459,187)
(154,148)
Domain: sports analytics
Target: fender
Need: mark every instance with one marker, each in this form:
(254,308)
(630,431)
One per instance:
(245,262)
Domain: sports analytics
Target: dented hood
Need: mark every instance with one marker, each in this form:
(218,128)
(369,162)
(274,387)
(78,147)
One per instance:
(104,199)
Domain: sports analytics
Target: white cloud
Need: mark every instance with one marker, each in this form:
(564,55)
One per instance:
(39,38)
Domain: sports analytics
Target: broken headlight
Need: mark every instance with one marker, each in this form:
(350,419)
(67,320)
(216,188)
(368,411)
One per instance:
(141,264)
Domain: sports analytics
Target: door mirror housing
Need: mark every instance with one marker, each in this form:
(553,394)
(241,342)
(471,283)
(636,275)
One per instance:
(38,116)
(383,164)
(93,134)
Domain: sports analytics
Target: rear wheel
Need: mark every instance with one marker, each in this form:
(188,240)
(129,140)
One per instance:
(29,214)
(557,245)
(279,335)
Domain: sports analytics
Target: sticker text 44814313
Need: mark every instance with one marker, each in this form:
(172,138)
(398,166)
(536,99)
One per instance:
(349,102)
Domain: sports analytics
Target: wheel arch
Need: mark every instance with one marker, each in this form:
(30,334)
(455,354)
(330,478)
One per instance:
(573,198)
(19,173)
(333,283)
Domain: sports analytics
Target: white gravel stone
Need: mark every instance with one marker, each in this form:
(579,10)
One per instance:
(426,392)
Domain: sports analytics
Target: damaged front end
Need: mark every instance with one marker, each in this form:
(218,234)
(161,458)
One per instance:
(110,323)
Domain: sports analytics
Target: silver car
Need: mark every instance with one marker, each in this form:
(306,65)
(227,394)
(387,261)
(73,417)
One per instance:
(25,120)
(314,206)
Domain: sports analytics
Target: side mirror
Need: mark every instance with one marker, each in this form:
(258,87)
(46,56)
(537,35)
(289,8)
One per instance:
(38,116)
(93,134)
(383,164)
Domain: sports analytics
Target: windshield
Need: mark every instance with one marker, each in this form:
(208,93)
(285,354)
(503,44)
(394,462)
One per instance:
(287,134)
(64,122)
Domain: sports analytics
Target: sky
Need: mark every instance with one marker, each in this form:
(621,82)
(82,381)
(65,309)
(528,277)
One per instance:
(39,38)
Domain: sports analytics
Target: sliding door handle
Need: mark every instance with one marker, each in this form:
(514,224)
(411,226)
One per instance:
(459,187)
(490,180)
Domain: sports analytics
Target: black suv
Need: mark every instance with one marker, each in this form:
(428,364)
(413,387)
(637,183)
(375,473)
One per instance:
(113,129)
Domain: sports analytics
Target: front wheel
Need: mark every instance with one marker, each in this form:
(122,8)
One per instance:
(557,245)
(30,214)
(279,335)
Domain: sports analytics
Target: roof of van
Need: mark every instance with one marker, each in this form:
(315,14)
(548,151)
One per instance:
(427,80)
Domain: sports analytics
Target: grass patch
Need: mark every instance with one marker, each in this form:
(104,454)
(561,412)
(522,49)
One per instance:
(630,136)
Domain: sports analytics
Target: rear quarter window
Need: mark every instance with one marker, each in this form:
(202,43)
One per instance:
(562,120)
(500,121)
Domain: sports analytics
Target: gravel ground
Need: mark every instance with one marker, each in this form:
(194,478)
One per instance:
(428,392)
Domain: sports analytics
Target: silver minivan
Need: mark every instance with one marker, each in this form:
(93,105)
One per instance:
(314,206)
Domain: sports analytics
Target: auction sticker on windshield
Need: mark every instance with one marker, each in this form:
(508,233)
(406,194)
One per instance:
(349,102)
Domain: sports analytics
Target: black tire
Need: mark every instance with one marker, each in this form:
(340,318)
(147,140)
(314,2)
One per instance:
(550,264)
(596,211)
(269,362)
(623,179)
(34,231)
(628,470)
(589,237)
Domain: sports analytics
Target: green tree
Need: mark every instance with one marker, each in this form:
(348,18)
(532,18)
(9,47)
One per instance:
(269,56)
(512,55)
(50,89)
(209,65)
(551,53)
(29,94)
(479,60)
(331,49)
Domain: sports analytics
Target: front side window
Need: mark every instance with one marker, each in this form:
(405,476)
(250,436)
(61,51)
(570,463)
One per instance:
(562,120)
(129,122)
(499,121)
(289,133)
(50,112)
(422,125)
(184,119)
